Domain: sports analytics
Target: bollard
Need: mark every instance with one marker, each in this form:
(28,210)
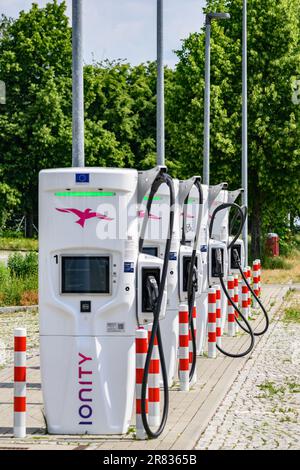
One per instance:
(236,299)
(141,348)
(218,317)
(259,276)
(194,379)
(212,323)
(184,369)
(249,292)
(245,296)
(231,311)
(20,382)
(255,280)
(154,385)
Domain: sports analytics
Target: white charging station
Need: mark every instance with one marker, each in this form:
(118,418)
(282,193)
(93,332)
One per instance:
(192,211)
(93,293)
(221,239)
(87,280)
(202,300)
(154,245)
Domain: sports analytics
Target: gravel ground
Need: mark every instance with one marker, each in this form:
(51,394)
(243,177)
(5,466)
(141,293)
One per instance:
(8,321)
(262,408)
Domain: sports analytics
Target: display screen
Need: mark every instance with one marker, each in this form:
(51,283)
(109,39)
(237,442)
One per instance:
(150,250)
(85,275)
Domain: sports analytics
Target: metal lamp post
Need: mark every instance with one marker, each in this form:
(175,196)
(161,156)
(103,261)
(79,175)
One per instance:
(77,87)
(209,18)
(245,130)
(160,124)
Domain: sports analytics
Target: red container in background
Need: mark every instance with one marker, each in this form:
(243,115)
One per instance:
(272,244)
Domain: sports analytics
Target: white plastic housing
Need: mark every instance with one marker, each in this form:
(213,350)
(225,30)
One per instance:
(155,238)
(201,301)
(220,227)
(88,357)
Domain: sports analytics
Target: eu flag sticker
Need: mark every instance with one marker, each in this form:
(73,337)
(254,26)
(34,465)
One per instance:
(82,178)
(128,267)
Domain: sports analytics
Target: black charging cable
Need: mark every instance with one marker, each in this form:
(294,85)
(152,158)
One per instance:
(192,284)
(157,298)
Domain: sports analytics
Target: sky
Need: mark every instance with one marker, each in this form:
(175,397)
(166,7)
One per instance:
(126,29)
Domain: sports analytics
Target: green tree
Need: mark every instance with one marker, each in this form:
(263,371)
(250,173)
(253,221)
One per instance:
(274,41)
(9,200)
(120,100)
(35,124)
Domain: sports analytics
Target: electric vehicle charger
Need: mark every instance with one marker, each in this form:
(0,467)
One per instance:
(219,273)
(219,195)
(154,244)
(202,300)
(88,254)
(238,263)
(156,292)
(192,281)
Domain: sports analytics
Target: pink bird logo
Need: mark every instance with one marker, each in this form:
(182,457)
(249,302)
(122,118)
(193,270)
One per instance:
(85,215)
(188,216)
(151,216)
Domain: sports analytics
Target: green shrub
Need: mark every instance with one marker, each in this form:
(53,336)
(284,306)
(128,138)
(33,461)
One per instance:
(4,274)
(23,266)
(276,262)
(12,291)
(19,280)
(15,264)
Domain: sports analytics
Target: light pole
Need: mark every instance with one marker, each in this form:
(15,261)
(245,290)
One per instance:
(160,117)
(77,87)
(208,19)
(245,129)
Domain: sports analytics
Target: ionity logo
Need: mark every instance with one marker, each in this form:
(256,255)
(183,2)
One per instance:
(85,215)
(85,375)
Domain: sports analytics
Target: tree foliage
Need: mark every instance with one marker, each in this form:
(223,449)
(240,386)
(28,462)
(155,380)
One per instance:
(120,106)
(274,163)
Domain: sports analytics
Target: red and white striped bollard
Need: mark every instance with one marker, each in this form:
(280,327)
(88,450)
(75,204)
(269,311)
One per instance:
(231,312)
(184,369)
(245,296)
(141,348)
(249,292)
(236,299)
(255,280)
(20,382)
(212,323)
(194,313)
(259,276)
(218,316)
(154,385)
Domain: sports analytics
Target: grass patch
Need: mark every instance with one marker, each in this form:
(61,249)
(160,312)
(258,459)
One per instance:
(19,280)
(277,262)
(294,387)
(18,244)
(270,389)
(292,314)
(280,270)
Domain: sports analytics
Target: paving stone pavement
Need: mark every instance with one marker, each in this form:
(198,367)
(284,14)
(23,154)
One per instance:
(210,400)
(262,408)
